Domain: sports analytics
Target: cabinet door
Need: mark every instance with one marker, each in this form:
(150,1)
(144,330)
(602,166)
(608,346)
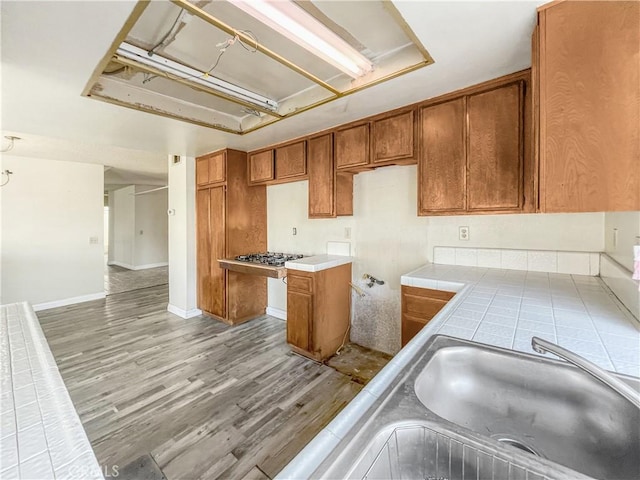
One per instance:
(352,146)
(322,181)
(442,158)
(299,319)
(589,115)
(392,138)
(210,169)
(411,326)
(291,160)
(203,252)
(217,288)
(216,168)
(419,306)
(495,169)
(261,167)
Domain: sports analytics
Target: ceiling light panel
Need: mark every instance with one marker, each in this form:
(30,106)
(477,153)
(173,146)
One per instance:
(300,27)
(238,65)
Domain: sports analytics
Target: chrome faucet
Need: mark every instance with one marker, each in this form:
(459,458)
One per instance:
(544,346)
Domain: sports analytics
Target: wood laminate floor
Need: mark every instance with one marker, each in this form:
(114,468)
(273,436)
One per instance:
(118,279)
(205,400)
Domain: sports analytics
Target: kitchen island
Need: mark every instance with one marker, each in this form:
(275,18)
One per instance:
(504,308)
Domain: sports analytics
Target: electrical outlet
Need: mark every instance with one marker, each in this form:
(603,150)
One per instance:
(615,238)
(463,233)
(347,232)
(295,231)
(94,240)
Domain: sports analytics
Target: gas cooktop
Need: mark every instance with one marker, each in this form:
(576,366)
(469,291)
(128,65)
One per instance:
(268,258)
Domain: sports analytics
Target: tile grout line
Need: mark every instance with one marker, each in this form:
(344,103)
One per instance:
(28,321)
(606,350)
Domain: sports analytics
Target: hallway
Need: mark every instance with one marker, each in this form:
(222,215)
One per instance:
(120,280)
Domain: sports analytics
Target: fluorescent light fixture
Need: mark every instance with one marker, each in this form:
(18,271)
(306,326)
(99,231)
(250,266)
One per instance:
(192,75)
(286,18)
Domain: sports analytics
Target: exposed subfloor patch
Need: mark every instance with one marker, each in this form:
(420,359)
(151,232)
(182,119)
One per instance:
(359,363)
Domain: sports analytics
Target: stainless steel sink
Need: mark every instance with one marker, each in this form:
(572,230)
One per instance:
(544,407)
(422,450)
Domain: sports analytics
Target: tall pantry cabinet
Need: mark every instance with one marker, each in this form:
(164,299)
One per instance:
(586,69)
(231,220)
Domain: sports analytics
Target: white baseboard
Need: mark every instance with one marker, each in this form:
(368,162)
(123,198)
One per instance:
(137,267)
(277,312)
(150,265)
(183,313)
(68,301)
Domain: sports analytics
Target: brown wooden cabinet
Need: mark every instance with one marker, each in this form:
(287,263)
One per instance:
(291,160)
(586,56)
(392,138)
(283,163)
(330,192)
(496,146)
(210,169)
(231,219)
(419,306)
(442,169)
(475,152)
(318,310)
(352,146)
(261,167)
(322,180)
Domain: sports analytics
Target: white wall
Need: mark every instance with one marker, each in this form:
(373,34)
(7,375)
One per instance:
(151,228)
(124,224)
(48,213)
(617,274)
(182,238)
(140,228)
(389,239)
(627,225)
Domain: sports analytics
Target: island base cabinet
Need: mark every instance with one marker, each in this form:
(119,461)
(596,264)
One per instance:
(419,306)
(318,311)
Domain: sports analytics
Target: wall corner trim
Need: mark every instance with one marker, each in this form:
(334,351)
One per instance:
(277,312)
(69,301)
(186,314)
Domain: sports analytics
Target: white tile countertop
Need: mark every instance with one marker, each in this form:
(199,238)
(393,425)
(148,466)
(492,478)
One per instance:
(318,263)
(504,308)
(42,436)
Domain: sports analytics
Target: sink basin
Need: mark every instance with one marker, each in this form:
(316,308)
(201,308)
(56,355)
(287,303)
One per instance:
(412,450)
(543,407)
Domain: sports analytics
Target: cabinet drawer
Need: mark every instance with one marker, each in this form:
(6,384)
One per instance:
(422,307)
(298,282)
(428,292)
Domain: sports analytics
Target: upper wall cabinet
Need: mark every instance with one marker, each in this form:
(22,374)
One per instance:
(588,65)
(210,169)
(384,140)
(475,151)
(284,163)
(352,147)
(392,138)
(442,169)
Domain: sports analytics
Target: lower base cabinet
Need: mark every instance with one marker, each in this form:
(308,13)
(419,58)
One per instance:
(318,311)
(419,306)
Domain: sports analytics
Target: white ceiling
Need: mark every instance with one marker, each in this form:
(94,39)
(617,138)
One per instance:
(50,49)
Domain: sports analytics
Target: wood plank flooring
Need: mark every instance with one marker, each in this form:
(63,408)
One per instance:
(204,399)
